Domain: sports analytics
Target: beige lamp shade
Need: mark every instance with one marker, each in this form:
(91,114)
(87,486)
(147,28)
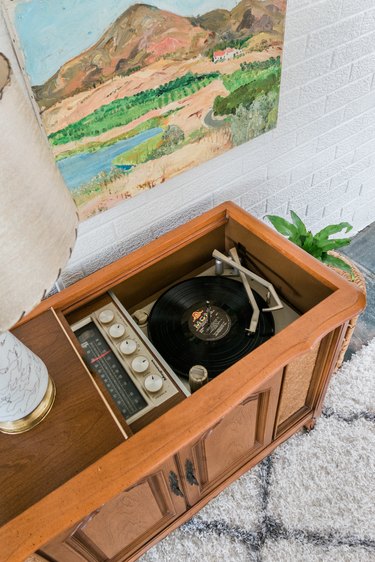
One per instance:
(38,218)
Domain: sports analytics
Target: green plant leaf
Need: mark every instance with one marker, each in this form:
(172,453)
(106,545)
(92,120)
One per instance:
(334,244)
(296,240)
(339,263)
(333,229)
(298,223)
(317,252)
(283,226)
(308,243)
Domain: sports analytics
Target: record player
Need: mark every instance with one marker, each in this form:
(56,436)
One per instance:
(142,357)
(215,318)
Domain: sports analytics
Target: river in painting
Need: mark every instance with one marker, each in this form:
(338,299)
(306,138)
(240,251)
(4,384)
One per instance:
(81,168)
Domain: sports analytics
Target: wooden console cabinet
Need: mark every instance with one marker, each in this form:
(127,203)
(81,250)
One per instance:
(81,486)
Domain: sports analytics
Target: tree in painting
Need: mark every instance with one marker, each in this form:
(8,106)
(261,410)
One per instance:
(133,94)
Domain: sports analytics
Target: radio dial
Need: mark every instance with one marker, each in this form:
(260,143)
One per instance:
(106,316)
(117,331)
(127,347)
(153,383)
(140,364)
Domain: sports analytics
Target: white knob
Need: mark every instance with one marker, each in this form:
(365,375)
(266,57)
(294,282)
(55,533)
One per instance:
(117,330)
(106,316)
(140,364)
(153,383)
(127,347)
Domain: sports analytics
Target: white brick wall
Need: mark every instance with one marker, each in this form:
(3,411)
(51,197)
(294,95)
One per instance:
(319,161)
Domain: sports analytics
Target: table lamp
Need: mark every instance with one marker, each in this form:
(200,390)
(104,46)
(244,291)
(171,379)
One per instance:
(38,228)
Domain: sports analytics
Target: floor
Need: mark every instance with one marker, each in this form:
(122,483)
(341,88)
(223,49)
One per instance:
(362,251)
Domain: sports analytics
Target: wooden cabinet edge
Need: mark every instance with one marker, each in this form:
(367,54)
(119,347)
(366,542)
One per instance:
(36,558)
(98,282)
(87,289)
(331,360)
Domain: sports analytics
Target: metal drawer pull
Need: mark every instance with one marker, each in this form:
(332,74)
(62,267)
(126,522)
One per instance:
(173,483)
(190,476)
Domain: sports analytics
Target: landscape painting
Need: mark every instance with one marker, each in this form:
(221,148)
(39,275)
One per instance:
(133,94)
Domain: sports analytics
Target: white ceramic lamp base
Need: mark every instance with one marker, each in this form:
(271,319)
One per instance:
(26,390)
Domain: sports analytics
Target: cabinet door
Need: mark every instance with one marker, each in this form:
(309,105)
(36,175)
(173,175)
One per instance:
(231,442)
(121,526)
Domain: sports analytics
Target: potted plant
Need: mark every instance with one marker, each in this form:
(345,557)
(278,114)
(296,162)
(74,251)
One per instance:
(323,247)
(319,245)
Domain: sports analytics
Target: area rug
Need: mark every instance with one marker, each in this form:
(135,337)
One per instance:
(312,500)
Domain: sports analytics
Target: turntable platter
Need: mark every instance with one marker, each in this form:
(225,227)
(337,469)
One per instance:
(203,321)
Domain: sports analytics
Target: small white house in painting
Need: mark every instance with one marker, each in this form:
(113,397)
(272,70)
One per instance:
(227,54)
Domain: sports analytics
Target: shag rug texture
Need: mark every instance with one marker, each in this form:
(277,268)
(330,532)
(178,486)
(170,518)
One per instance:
(311,500)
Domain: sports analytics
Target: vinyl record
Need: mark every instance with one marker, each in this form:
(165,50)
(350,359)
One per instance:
(203,321)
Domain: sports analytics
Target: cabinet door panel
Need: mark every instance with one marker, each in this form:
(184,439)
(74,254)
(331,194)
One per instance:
(227,442)
(125,523)
(230,443)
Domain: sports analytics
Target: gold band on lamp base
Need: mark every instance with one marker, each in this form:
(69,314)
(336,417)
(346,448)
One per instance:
(36,416)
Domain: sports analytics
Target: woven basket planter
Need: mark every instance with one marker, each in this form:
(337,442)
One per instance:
(359,280)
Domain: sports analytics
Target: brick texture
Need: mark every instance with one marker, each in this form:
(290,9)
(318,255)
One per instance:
(319,161)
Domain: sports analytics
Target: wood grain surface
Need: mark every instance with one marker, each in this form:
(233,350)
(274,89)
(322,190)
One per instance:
(77,431)
(123,525)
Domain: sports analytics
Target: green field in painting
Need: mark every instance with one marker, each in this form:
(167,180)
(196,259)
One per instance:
(140,153)
(243,85)
(247,84)
(96,145)
(252,72)
(123,111)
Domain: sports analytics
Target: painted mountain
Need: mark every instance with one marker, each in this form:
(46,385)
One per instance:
(159,93)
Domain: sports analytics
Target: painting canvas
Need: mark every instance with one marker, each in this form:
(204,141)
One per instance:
(132,94)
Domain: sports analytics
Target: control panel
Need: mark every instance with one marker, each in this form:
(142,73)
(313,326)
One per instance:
(117,351)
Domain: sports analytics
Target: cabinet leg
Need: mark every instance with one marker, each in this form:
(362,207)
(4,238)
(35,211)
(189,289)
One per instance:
(310,425)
